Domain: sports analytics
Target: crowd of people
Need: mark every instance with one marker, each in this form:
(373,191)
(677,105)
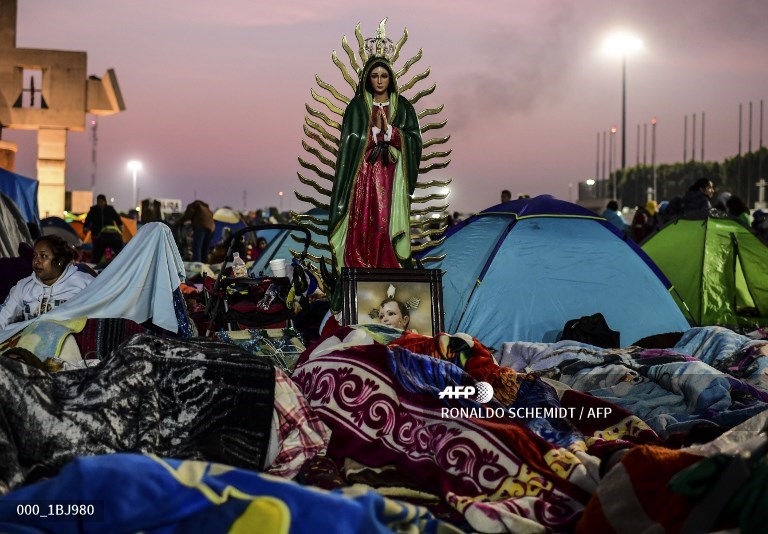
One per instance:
(57,276)
(699,198)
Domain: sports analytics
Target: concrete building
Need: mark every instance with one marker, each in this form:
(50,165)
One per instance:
(51,92)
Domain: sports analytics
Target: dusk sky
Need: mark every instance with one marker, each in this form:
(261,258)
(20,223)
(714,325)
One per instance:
(215,92)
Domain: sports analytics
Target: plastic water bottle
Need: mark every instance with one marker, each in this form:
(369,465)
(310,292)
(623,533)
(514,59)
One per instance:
(238,267)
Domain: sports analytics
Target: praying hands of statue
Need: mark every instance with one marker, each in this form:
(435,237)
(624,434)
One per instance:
(381,120)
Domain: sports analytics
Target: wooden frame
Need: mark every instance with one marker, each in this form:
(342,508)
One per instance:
(365,289)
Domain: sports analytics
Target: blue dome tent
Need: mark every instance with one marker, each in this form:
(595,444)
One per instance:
(60,227)
(520,270)
(281,243)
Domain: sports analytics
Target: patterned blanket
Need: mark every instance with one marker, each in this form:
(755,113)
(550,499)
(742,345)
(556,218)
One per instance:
(197,399)
(498,473)
(162,496)
(712,377)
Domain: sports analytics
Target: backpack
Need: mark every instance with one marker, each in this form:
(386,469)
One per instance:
(593,330)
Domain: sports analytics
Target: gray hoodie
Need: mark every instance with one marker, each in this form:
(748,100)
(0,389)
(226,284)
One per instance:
(30,297)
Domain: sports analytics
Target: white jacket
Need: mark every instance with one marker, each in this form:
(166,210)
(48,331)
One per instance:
(30,297)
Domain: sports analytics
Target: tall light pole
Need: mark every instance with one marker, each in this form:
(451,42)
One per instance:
(622,44)
(653,158)
(134,166)
(611,172)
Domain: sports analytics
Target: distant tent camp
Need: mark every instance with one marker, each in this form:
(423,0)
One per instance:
(227,222)
(23,191)
(717,265)
(520,270)
(130,227)
(281,243)
(60,227)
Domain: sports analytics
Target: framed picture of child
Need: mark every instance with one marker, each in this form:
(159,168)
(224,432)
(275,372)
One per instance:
(408,299)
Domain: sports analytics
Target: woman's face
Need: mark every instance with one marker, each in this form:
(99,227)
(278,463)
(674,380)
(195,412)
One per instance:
(379,77)
(43,264)
(709,189)
(390,315)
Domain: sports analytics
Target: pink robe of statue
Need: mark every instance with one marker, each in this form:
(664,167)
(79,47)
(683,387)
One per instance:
(368,241)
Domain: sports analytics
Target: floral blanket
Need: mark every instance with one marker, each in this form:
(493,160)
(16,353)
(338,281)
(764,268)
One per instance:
(495,472)
(712,377)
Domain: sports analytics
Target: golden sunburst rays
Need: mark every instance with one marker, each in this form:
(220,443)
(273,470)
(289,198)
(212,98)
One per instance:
(322,129)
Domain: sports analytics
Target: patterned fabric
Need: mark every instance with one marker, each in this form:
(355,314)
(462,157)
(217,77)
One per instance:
(300,434)
(181,398)
(633,496)
(100,337)
(469,354)
(159,495)
(383,408)
(673,390)
(370,244)
(44,339)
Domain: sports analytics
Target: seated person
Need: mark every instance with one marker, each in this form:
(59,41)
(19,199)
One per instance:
(55,279)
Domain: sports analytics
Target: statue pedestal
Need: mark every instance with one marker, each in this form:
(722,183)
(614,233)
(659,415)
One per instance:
(8,155)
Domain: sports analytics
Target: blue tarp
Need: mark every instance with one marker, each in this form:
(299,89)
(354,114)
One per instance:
(23,191)
(520,270)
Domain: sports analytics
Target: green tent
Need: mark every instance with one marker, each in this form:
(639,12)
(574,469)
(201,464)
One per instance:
(718,266)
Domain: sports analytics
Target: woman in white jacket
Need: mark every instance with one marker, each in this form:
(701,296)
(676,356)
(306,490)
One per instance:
(54,281)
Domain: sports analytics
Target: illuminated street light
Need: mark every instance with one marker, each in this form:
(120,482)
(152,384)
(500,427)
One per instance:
(621,44)
(611,160)
(653,158)
(135,166)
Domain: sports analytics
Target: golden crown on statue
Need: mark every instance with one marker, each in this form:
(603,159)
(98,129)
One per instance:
(380,46)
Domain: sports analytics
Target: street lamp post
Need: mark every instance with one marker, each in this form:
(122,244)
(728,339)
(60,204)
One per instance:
(611,153)
(622,44)
(653,158)
(134,166)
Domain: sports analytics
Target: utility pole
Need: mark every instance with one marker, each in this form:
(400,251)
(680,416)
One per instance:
(94,143)
(750,128)
(601,193)
(597,161)
(645,143)
(653,158)
(739,129)
(693,139)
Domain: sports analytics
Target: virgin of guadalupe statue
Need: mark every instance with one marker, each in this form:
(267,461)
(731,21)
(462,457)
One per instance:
(376,172)
(372,219)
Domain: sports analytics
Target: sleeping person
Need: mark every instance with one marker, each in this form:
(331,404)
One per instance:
(55,279)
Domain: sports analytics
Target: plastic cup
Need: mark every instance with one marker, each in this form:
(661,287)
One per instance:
(277,267)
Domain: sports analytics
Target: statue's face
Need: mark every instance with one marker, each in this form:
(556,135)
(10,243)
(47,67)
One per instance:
(379,78)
